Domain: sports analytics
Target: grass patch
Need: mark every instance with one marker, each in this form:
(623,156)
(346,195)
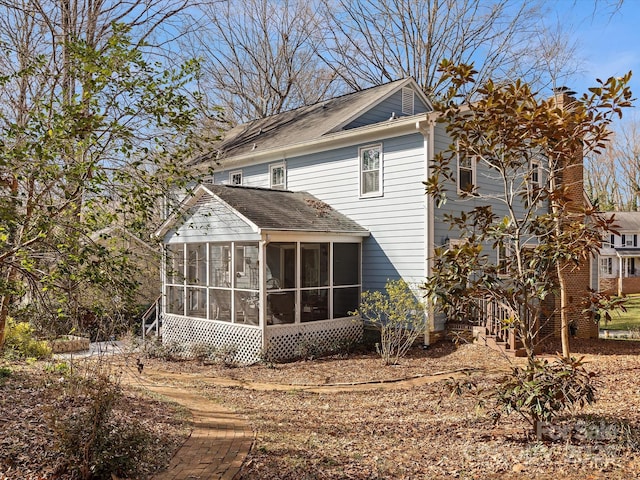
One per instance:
(629,320)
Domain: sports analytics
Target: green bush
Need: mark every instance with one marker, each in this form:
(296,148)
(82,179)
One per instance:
(398,315)
(20,341)
(543,390)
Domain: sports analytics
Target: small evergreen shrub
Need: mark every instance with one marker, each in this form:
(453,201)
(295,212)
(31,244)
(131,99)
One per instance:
(542,391)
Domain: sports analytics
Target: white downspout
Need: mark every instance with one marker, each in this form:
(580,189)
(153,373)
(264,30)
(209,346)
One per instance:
(426,127)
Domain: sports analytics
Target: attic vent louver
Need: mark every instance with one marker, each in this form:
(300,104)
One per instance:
(407,101)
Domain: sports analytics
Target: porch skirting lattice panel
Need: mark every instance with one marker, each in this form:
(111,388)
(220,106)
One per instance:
(190,331)
(287,341)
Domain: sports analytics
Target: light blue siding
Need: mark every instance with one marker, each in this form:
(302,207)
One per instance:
(396,220)
(385,109)
(489,188)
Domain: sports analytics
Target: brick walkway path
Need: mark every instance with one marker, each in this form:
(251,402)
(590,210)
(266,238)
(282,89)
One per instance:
(221,439)
(219,443)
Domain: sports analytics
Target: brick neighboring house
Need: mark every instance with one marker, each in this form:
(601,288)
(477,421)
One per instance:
(618,264)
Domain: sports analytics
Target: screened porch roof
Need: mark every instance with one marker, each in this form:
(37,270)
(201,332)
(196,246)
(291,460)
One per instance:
(271,210)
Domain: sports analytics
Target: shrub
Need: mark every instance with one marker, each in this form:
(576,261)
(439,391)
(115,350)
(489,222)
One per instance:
(543,390)
(94,441)
(20,341)
(226,355)
(398,315)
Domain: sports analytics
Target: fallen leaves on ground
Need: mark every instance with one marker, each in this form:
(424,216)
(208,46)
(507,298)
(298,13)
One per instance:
(414,432)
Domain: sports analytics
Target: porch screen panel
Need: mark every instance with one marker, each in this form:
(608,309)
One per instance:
(314,302)
(246,283)
(346,278)
(175,264)
(281,283)
(219,265)
(175,300)
(197,264)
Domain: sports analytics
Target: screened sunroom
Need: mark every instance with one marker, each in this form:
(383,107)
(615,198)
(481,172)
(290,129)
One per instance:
(260,270)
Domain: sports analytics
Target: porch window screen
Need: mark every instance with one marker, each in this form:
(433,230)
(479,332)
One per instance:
(315,282)
(281,283)
(346,278)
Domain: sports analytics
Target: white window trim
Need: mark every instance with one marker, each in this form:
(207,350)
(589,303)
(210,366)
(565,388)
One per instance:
(272,167)
(536,166)
(234,173)
(606,266)
(474,178)
(506,245)
(379,192)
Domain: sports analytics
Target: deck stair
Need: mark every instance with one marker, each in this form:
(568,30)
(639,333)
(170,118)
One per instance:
(489,320)
(152,320)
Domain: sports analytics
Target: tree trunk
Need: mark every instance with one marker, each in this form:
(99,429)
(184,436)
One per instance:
(564,322)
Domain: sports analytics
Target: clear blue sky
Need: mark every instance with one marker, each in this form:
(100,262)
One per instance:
(608,39)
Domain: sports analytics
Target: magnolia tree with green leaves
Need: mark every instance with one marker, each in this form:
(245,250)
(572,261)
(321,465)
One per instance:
(538,223)
(82,158)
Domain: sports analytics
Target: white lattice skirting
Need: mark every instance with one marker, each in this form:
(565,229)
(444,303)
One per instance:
(283,341)
(188,331)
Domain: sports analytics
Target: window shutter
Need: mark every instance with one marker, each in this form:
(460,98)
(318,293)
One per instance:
(624,240)
(635,240)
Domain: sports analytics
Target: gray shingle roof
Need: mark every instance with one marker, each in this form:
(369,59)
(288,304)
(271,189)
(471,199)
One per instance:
(284,210)
(302,124)
(626,221)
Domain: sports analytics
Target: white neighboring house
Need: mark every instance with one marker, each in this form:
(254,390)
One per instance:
(619,259)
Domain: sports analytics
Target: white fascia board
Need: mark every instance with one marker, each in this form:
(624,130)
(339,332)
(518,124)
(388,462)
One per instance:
(408,82)
(369,133)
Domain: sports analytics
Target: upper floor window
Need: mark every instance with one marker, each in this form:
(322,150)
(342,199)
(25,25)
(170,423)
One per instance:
(371,170)
(503,254)
(629,240)
(466,173)
(536,173)
(278,176)
(235,178)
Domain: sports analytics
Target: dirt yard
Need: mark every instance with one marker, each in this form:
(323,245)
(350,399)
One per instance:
(353,429)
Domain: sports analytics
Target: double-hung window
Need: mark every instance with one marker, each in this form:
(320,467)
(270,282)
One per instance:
(606,266)
(278,176)
(466,173)
(371,170)
(235,178)
(536,169)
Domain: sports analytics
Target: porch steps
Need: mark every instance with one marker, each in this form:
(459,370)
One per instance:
(152,320)
(513,348)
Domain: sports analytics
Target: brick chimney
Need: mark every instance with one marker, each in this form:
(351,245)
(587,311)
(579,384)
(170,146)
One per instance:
(578,280)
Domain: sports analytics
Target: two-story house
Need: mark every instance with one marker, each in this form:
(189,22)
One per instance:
(618,264)
(306,209)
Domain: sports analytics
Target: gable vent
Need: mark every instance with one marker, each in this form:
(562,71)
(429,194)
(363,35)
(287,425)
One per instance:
(407,101)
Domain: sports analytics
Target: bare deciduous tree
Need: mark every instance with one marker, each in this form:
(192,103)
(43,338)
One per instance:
(258,57)
(369,42)
(613,178)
